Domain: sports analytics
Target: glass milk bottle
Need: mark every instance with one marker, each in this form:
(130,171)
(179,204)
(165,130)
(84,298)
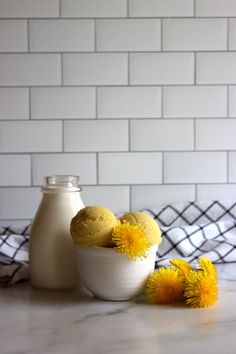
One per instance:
(51,251)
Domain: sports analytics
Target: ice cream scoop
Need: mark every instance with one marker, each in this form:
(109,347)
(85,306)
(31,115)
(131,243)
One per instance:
(92,226)
(148,224)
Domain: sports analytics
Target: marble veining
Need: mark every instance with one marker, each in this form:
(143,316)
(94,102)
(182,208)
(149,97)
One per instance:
(69,322)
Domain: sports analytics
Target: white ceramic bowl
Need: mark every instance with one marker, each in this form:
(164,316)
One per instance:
(111,276)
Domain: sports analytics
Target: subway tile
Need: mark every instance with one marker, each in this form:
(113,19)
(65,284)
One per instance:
(216,68)
(61,35)
(232,33)
(161,68)
(95,69)
(215,134)
(128,168)
(232,166)
(129,102)
(91,8)
(82,165)
(14,103)
(162,135)
(215,8)
(216,192)
(22,222)
(195,101)
(30,69)
(161,8)
(96,135)
(232,101)
(15,170)
(128,35)
(195,167)
(13,36)
(156,195)
(29,8)
(195,34)
(19,203)
(115,198)
(62,102)
(29,136)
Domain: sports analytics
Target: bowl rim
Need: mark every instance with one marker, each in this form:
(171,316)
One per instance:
(107,251)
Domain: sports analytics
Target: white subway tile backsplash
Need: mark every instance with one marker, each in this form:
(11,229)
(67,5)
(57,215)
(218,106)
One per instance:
(195,167)
(232,166)
(95,69)
(82,165)
(215,134)
(195,101)
(161,68)
(116,198)
(232,33)
(155,195)
(9,222)
(63,102)
(13,35)
(232,101)
(220,8)
(150,135)
(93,8)
(96,135)
(216,192)
(29,136)
(29,8)
(19,203)
(14,103)
(15,170)
(61,35)
(128,168)
(216,68)
(129,102)
(128,35)
(195,34)
(30,69)
(161,8)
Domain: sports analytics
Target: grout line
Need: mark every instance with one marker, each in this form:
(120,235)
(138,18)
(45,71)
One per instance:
(63,135)
(96,103)
(121,52)
(195,68)
(162,101)
(194,135)
(128,15)
(118,17)
(31,170)
(143,85)
(227,101)
(129,135)
(128,68)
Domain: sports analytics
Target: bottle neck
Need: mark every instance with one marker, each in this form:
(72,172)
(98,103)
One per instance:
(61,184)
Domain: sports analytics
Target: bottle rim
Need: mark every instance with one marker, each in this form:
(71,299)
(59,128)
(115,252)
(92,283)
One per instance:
(61,181)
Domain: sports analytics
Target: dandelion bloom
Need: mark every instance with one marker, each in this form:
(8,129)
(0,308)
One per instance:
(200,289)
(206,266)
(183,266)
(131,240)
(165,286)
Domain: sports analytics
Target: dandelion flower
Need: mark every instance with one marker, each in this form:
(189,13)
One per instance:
(165,286)
(131,240)
(183,266)
(200,289)
(206,266)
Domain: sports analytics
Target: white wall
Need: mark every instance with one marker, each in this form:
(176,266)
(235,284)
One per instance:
(138,97)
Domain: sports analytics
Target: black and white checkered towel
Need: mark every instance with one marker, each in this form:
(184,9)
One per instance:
(189,230)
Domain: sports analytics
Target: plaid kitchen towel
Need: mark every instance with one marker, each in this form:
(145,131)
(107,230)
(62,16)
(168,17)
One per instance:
(189,230)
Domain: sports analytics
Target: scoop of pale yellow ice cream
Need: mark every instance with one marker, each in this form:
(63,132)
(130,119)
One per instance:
(148,224)
(92,226)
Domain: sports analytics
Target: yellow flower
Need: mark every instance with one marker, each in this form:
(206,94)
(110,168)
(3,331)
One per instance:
(206,266)
(200,289)
(131,240)
(164,286)
(183,266)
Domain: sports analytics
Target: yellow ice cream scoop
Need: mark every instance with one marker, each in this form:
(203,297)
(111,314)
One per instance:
(92,226)
(148,224)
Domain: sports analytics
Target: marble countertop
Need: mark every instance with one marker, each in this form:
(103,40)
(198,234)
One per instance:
(43,322)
